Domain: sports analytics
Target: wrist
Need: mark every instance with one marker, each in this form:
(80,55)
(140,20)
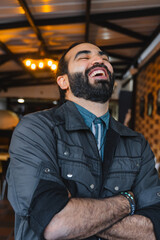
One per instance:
(131,201)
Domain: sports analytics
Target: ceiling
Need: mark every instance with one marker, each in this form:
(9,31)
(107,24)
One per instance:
(30,28)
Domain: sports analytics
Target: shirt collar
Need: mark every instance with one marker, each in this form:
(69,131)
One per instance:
(69,115)
(90,117)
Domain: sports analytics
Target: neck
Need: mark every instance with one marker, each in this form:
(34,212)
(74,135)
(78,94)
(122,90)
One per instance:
(96,108)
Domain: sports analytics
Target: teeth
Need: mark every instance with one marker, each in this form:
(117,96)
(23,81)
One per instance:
(94,73)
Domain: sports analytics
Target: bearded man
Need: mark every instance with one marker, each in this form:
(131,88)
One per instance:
(75,172)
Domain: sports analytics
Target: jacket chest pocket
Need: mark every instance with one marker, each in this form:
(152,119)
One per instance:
(121,176)
(76,169)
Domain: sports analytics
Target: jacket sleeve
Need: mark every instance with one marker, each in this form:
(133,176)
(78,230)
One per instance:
(35,188)
(153,213)
(147,184)
(147,188)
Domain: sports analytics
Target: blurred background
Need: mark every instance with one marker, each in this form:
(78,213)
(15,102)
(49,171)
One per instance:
(33,36)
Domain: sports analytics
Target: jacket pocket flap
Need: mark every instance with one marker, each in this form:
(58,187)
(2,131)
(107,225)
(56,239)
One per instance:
(118,182)
(66,151)
(78,172)
(125,164)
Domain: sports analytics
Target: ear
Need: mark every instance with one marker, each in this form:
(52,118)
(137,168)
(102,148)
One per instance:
(62,81)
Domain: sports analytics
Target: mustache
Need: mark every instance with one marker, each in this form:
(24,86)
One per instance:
(98,65)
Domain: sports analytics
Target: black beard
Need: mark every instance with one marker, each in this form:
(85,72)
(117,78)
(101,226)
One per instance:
(100,92)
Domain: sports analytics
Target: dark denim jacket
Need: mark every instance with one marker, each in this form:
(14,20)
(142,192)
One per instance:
(56,146)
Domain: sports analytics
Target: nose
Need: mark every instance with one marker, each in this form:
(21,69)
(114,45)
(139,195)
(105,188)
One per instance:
(97,59)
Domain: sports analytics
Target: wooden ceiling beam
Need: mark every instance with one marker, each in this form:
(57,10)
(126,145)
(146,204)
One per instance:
(88,9)
(5,58)
(134,62)
(119,56)
(54,53)
(119,70)
(12,56)
(10,73)
(6,78)
(121,30)
(32,23)
(10,77)
(27,82)
(117,63)
(146,12)
(123,46)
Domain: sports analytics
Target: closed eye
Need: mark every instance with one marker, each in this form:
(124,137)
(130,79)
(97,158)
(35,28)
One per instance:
(106,59)
(83,58)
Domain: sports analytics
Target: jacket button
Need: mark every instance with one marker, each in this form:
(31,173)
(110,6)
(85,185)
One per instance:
(92,186)
(69,175)
(66,153)
(158,194)
(47,170)
(116,188)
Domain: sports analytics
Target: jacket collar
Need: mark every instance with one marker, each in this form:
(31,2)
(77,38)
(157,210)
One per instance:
(68,114)
(121,129)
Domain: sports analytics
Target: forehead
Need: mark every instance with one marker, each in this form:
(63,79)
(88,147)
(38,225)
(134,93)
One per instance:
(82,47)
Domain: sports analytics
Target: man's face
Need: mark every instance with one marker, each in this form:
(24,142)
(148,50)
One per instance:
(89,72)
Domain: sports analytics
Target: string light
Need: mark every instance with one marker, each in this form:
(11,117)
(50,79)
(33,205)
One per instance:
(33,66)
(28,63)
(41,63)
(53,66)
(49,63)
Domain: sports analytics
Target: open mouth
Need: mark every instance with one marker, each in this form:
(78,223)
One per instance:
(98,72)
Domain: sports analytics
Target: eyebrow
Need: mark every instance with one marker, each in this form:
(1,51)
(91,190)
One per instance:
(82,52)
(101,53)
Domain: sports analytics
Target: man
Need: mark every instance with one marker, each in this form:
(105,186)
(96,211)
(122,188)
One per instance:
(66,180)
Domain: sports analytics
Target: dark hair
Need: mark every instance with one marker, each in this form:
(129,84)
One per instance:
(63,69)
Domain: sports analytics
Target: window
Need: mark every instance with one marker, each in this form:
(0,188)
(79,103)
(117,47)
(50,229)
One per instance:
(150,105)
(158,101)
(142,106)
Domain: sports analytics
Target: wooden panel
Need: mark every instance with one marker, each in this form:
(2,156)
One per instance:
(62,36)
(104,36)
(117,5)
(20,40)
(130,52)
(148,81)
(143,25)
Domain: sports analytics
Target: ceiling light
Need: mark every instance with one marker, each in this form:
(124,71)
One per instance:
(28,62)
(33,66)
(54,66)
(49,63)
(41,63)
(55,102)
(106,35)
(20,100)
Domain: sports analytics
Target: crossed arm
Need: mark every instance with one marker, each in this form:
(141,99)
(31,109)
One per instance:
(107,218)
(131,227)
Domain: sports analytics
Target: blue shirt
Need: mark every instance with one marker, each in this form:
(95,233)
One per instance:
(92,121)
